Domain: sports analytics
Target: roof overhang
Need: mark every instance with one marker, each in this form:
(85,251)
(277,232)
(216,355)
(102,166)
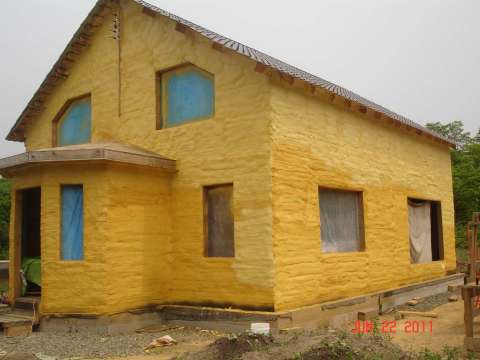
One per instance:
(115,153)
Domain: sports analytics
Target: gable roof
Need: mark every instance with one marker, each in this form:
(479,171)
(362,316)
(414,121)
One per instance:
(94,20)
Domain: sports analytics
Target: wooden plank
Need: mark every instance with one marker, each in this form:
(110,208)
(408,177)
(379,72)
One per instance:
(367,315)
(417,313)
(18,330)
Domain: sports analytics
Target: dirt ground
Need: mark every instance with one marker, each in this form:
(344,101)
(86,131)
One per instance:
(414,333)
(392,339)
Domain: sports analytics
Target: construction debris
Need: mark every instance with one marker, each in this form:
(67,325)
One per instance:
(415,301)
(453,298)
(166,340)
(158,328)
(401,314)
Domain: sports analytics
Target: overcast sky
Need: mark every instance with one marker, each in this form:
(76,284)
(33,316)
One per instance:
(418,58)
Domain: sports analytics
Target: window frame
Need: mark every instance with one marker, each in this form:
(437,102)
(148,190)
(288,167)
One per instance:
(205,190)
(61,223)
(437,205)
(161,95)
(59,116)
(361,219)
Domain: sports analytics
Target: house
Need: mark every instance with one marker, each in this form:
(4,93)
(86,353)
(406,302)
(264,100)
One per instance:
(167,164)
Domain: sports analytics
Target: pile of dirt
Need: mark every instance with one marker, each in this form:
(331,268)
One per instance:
(232,347)
(315,345)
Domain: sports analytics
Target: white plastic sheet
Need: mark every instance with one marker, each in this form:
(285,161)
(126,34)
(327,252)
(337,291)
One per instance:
(339,221)
(420,231)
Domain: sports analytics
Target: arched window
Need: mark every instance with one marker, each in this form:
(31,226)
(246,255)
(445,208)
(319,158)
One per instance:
(74,124)
(187,94)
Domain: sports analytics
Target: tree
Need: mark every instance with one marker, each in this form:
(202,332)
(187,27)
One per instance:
(4,217)
(466,173)
(476,139)
(453,131)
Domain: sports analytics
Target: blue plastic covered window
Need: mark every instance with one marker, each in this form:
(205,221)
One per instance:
(187,95)
(72,222)
(75,125)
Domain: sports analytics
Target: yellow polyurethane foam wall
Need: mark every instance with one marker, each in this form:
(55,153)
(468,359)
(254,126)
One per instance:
(317,143)
(76,286)
(233,146)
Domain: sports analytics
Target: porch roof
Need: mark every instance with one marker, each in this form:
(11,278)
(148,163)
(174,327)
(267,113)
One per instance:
(114,152)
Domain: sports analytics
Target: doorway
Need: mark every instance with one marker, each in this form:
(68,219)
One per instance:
(29,253)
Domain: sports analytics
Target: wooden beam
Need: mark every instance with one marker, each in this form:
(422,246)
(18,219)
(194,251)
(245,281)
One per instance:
(260,68)
(362,109)
(285,77)
(218,47)
(311,89)
(181,28)
(377,115)
(149,12)
(348,102)
(332,97)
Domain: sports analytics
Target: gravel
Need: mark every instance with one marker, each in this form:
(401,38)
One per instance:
(428,303)
(84,345)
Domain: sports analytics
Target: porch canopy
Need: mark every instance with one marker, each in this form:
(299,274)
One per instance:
(96,152)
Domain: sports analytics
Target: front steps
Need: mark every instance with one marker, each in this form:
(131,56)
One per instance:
(20,319)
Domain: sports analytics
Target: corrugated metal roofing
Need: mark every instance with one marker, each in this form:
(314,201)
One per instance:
(285,68)
(253,54)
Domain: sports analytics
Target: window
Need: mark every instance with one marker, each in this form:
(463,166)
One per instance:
(73,125)
(72,222)
(218,221)
(425,231)
(341,221)
(186,94)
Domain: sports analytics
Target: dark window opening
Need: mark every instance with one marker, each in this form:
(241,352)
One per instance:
(218,221)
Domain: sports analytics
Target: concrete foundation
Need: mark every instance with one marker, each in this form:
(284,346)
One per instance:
(332,314)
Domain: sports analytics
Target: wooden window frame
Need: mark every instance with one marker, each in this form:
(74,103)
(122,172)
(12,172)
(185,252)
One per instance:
(206,188)
(161,96)
(361,217)
(58,117)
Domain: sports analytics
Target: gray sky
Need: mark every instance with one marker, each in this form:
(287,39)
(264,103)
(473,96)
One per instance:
(418,58)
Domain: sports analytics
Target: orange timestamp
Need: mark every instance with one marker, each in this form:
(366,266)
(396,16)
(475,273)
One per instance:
(391,327)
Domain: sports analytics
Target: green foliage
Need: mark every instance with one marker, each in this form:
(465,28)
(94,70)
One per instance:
(453,131)
(466,174)
(4,217)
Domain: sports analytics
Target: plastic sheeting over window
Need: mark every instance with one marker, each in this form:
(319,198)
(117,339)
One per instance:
(188,94)
(341,221)
(75,125)
(72,222)
(420,231)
